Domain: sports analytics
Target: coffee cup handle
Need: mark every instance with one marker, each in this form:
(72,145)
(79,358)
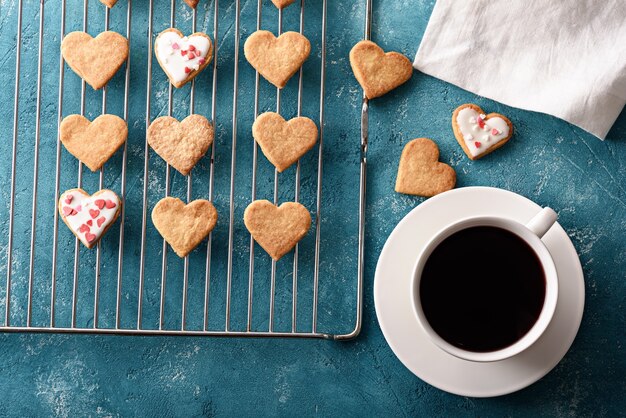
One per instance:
(542,222)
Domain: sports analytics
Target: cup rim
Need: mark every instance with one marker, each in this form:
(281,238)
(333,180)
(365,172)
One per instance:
(550,299)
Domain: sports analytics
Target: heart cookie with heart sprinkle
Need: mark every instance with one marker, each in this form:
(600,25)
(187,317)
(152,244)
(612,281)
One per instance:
(184,226)
(479,134)
(277,59)
(181,144)
(182,57)
(95,60)
(420,173)
(95,142)
(89,217)
(284,142)
(277,228)
(376,71)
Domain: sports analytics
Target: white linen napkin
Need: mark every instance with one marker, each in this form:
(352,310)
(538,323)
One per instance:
(566,58)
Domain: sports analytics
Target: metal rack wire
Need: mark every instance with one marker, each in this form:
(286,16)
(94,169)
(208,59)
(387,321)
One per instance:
(79,271)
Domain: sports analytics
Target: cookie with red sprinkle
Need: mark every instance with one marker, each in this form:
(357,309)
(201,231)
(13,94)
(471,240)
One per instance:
(480,134)
(182,57)
(89,217)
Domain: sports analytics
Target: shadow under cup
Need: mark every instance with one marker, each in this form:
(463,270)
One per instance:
(485,289)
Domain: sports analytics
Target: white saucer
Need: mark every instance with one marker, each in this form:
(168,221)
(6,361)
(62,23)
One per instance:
(411,345)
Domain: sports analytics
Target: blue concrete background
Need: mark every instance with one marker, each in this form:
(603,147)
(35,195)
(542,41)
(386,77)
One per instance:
(548,160)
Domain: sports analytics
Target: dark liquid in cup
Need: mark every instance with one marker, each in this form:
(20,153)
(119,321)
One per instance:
(482,289)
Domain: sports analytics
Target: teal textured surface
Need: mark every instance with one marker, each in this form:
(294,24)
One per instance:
(547,160)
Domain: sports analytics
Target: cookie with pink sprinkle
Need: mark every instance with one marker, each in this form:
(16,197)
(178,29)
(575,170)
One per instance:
(478,133)
(182,57)
(89,217)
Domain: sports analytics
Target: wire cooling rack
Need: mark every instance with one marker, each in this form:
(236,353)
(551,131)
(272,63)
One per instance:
(130,283)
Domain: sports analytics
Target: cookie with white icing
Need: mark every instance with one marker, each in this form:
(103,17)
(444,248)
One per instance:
(480,134)
(89,217)
(182,57)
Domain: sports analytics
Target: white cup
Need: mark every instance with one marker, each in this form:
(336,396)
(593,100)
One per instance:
(531,233)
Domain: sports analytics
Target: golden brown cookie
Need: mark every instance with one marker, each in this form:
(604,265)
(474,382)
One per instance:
(420,173)
(277,228)
(377,72)
(95,60)
(108,3)
(182,57)
(284,142)
(277,59)
(281,4)
(184,226)
(89,217)
(480,134)
(192,3)
(95,142)
(181,144)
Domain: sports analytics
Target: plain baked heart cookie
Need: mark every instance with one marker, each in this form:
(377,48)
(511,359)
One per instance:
(277,59)
(192,3)
(181,144)
(182,57)
(89,217)
(284,142)
(479,134)
(420,173)
(184,226)
(95,60)
(95,142)
(376,71)
(108,3)
(277,229)
(281,4)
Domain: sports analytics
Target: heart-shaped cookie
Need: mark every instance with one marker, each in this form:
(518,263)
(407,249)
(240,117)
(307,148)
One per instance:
(479,134)
(89,217)
(181,144)
(108,3)
(277,228)
(282,142)
(182,57)
(281,4)
(184,226)
(95,60)
(277,59)
(95,142)
(192,3)
(420,173)
(377,72)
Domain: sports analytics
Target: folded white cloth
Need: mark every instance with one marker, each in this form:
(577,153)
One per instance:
(566,58)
